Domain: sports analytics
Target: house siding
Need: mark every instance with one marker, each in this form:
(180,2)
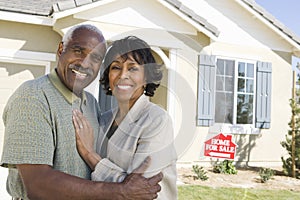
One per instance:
(240,36)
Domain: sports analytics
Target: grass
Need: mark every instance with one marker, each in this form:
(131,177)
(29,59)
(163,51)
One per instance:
(196,192)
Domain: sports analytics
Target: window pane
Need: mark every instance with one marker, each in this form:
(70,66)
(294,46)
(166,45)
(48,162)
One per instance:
(229,67)
(241,85)
(229,84)
(220,83)
(224,107)
(250,70)
(220,66)
(241,69)
(244,109)
(249,85)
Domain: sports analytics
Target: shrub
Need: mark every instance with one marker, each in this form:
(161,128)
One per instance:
(225,167)
(266,174)
(200,173)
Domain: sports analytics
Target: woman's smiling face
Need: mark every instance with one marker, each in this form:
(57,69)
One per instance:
(126,79)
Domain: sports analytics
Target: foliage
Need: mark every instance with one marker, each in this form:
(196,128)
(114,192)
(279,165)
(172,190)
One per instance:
(225,167)
(200,173)
(212,193)
(287,144)
(266,174)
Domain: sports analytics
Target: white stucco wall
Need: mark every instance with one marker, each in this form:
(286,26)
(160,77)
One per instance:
(243,37)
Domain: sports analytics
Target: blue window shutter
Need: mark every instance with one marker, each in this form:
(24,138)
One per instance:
(206,90)
(263,95)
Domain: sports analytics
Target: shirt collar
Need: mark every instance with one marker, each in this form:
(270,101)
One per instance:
(67,94)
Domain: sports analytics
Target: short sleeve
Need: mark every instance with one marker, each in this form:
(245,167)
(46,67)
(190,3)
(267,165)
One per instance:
(28,129)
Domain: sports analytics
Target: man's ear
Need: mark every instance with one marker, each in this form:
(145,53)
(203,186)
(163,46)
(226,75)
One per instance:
(60,48)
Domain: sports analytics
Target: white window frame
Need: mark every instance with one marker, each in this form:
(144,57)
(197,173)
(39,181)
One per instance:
(235,128)
(28,58)
(236,92)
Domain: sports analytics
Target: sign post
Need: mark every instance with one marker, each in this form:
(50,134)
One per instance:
(220,146)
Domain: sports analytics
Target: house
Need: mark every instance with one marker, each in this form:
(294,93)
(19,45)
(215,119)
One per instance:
(227,64)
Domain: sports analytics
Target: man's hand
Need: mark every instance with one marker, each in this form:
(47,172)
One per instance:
(138,187)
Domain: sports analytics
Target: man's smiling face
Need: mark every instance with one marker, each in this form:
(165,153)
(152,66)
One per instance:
(80,59)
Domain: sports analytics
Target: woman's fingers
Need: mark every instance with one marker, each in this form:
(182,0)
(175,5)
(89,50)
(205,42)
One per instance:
(81,120)
(83,129)
(78,118)
(75,121)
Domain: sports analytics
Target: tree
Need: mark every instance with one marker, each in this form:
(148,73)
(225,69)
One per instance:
(287,144)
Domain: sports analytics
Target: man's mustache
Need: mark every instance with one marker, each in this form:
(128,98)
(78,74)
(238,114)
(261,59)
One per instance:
(81,69)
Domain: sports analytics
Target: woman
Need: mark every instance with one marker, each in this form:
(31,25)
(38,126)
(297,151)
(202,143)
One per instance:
(135,129)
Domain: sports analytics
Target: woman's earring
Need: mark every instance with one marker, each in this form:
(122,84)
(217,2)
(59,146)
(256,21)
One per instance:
(109,89)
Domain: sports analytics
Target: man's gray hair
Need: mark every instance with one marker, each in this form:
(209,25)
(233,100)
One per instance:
(69,34)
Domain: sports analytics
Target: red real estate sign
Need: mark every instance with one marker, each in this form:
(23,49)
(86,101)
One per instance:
(220,146)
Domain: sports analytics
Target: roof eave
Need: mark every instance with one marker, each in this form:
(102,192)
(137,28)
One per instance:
(64,10)
(189,16)
(26,18)
(272,23)
(296,53)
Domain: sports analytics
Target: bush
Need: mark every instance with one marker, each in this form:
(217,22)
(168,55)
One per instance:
(266,174)
(225,167)
(200,173)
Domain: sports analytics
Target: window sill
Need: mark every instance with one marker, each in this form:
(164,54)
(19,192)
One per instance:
(233,129)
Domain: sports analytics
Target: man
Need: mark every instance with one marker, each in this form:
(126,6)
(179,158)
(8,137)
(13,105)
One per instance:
(39,145)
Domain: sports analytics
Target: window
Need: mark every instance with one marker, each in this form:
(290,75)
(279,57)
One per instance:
(224,91)
(235,92)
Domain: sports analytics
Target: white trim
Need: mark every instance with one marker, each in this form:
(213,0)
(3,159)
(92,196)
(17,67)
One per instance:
(68,12)
(25,62)
(235,55)
(163,56)
(45,64)
(170,63)
(28,58)
(27,55)
(225,128)
(187,19)
(51,20)
(235,92)
(47,68)
(26,18)
(171,98)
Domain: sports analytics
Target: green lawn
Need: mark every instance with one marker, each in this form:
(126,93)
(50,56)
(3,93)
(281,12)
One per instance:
(196,192)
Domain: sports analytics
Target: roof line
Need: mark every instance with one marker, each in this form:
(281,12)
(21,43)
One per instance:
(26,18)
(64,6)
(193,16)
(272,20)
(24,12)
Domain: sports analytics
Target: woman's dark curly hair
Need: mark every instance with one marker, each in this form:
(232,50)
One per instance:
(141,53)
